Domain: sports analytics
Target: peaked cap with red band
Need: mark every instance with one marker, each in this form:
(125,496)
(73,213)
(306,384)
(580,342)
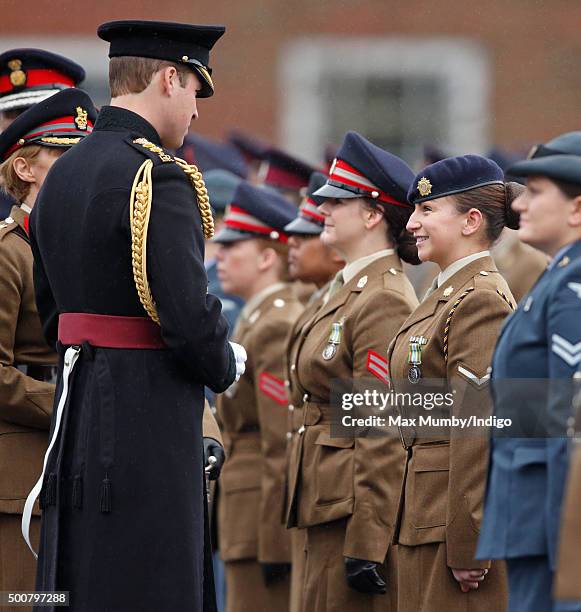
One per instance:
(282,171)
(310,221)
(253,149)
(28,76)
(59,121)
(364,170)
(182,43)
(256,212)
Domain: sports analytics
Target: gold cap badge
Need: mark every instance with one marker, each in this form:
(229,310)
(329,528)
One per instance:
(424,187)
(17,76)
(81,118)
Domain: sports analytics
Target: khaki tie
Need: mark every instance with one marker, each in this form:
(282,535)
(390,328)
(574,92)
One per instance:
(431,289)
(335,285)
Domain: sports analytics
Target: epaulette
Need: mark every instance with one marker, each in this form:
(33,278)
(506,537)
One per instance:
(155,152)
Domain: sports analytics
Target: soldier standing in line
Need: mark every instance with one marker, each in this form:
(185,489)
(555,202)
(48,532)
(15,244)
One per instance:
(461,206)
(540,342)
(310,261)
(118,241)
(252,263)
(28,148)
(28,76)
(343,490)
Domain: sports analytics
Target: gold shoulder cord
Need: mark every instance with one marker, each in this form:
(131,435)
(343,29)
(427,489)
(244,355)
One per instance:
(195,177)
(139,212)
(449,320)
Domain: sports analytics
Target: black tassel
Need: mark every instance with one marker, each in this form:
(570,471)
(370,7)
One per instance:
(106,495)
(78,491)
(50,491)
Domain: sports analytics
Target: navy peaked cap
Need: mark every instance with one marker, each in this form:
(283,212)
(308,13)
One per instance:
(310,221)
(208,154)
(362,169)
(454,175)
(283,171)
(28,76)
(251,147)
(256,212)
(59,121)
(559,159)
(181,43)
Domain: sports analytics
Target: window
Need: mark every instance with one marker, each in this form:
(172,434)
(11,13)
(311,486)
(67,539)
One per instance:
(399,93)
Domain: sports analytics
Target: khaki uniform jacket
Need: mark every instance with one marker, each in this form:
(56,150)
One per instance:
(253,413)
(356,478)
(295,406)
(25,403)
(443,489)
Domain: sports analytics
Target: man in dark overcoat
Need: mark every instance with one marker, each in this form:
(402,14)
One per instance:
(118,234)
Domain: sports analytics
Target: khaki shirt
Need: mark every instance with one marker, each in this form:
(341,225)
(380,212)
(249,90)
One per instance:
(253,413)
(25,403)
(332,478)
(442,492)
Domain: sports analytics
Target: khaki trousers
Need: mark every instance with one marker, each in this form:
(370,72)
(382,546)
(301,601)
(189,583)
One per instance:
(246,591)
(426,583)
(325,586)
(298,559)
(17,564)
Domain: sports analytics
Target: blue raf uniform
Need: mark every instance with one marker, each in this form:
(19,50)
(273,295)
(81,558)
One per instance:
(538,351)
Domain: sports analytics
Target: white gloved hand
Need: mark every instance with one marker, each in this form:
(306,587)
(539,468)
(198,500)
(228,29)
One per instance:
(241,357)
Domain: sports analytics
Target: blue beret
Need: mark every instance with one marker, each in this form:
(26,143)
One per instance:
(256,212)
(59,121)
(364,170)
(559,159)
(181,43)
(310,221)
(28,76)
(454,175)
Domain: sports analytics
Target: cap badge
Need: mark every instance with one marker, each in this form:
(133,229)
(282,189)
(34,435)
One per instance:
(424,187)
(81,118)
(17,76)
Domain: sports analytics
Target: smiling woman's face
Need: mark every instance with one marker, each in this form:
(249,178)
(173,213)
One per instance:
(437,227)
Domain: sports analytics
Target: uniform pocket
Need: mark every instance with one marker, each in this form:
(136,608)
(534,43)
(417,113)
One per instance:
(334,473)
(429,490)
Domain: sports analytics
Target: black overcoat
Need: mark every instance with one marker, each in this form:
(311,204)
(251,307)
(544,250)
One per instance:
(123,519)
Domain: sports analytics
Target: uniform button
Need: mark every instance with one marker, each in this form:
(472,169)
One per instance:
(483,273)
(288,435)
(287,383)
(291,407)
(305,397)
(301,429)
(571,422)
(293,367)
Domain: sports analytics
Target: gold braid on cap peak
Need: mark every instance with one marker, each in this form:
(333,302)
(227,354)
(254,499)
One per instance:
(203,198)
(139,212)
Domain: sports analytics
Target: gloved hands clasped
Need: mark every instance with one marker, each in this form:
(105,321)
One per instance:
(363,576)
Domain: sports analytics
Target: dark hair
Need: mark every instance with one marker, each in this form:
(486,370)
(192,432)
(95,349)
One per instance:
(494,202)
(570,190)
(397,218)
(129,75)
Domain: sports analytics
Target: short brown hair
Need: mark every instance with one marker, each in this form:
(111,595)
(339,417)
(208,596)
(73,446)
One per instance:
(131,75)
(11,182)
(281,249)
